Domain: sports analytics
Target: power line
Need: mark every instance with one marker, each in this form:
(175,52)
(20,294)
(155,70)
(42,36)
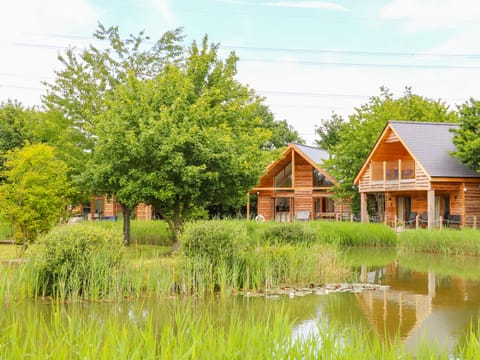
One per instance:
(350,52)
(265,49)
(352,64)
(20,87)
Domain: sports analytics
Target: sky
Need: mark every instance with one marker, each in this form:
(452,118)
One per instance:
(308,59)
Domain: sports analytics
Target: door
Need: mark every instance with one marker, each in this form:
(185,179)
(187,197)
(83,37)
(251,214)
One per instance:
(404,207)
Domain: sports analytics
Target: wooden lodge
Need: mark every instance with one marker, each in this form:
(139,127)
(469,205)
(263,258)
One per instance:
(411,168)
(106,208)
(295,187)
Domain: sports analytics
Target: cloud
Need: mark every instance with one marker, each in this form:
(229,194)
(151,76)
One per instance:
(29,44)
(432,14)
(324,5)
(165,11)
(235,2)
(32,16)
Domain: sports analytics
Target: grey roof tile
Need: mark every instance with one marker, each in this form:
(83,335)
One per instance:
(315,154)
(432,145)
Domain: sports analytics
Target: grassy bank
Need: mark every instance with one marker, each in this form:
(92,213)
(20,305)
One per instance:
(68,333)
(445,241)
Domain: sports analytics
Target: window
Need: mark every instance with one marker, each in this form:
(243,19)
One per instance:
(284,177)
(319,180)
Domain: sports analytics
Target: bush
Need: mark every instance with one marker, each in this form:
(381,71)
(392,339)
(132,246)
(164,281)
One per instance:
(290,233)
(218,241)
(215,252)
(77,260)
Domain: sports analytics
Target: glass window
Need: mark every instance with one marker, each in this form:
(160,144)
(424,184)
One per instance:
(284,177)
(319,180)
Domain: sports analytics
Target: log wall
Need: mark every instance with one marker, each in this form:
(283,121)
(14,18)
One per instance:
(472,204)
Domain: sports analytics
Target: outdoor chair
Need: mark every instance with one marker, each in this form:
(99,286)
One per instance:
(410,222)
(454,221)
(424,219)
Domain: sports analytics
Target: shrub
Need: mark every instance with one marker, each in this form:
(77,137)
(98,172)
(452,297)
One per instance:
(76,260)
(290,233)
(215,252)
(218,241)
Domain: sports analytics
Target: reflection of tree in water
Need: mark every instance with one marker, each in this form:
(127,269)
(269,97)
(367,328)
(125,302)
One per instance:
(404,274)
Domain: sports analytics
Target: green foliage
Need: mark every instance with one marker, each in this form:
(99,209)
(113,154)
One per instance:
(329,132)
(13,118)
(290,233)
(445,241)
(188,139)
(6,231)
(347,234)
(357,137)
(155,232)
(270,267)
(36,192)
(466,138)
(86,77)
(73,260)
(216,241)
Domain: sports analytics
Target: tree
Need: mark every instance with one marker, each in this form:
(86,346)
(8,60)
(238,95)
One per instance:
(86,78)
(13,117)
(189,138)
(467,137)
(358,136)
(35,193)
(89,77)
(329,132)
(282,133)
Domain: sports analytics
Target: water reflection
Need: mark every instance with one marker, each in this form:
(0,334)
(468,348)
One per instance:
(418,305)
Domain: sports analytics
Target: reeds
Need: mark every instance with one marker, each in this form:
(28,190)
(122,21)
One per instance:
(131,332)
(155,232)
(445,241)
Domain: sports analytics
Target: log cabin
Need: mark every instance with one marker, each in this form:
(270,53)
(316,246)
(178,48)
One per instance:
(106,208)
(412,167)
(296,187)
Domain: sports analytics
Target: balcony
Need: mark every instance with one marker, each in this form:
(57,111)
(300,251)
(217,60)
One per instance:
(392,172)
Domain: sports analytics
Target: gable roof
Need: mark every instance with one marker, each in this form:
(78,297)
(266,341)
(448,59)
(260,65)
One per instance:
(312,155)
(429,143)
(316,155)
(432,145)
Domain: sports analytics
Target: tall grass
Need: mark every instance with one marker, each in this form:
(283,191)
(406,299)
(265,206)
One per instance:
(347,234)
(66,333)
(219,257)
(155,232)
(445,241)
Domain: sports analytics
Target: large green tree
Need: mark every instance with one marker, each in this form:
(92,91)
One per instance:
(86,77)
(357,137)
(36,191)
(13,119)
(189,138)
(467,137)
(329,131)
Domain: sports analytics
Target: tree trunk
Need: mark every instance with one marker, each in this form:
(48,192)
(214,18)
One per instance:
(126,225)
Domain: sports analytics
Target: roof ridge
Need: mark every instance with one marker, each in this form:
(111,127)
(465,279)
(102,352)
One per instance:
(422,122)
(309,146)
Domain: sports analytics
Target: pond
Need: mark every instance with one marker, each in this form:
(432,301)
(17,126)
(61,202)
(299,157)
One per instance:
(428,300)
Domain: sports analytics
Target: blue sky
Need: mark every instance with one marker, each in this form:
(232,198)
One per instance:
(307,58)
